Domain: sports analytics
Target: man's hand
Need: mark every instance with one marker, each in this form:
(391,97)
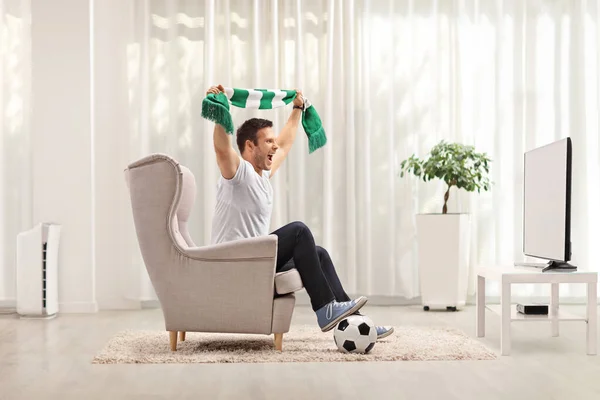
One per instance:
(216,89)
(299,100)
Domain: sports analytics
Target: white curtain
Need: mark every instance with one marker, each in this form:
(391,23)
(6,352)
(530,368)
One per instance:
(15,158)
(389,78)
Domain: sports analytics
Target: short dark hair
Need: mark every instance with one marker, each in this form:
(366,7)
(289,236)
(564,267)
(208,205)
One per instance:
(249,131)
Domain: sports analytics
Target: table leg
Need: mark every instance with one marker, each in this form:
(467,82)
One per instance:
(592,311)
(506,319)
(554,309)
(480,300)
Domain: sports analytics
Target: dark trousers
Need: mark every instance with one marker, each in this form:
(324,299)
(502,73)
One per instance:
(296,249)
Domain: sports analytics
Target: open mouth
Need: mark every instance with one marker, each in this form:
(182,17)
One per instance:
(270,157)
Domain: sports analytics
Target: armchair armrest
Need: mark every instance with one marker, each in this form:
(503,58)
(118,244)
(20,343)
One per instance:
(263,247)
(228,287)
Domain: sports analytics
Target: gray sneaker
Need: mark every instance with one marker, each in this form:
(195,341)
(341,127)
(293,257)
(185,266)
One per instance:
(329,315)
(384,331)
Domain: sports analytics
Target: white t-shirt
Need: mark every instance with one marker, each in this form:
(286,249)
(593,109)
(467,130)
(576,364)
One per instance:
(244,205)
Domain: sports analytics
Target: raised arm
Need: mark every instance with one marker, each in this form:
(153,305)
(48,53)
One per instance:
(227,159)
(287,136)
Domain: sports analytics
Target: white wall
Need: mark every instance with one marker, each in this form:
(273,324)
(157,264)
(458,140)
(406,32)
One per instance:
(117,283)
(80,125)
(110,124)
(63,165)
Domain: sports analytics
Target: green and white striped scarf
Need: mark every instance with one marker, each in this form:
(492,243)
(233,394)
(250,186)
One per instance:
(215,107)
(260,99)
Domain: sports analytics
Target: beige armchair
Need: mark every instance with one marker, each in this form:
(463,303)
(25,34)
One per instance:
(230,287)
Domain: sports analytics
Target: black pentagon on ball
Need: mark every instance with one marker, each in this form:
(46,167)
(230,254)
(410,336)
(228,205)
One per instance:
(343,325)
(349,345)
(364,329)
(369,347)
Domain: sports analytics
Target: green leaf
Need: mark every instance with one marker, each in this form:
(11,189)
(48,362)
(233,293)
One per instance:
(453,163)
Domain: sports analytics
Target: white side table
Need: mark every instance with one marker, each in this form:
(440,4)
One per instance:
(507,275)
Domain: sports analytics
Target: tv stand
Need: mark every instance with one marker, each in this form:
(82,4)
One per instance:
(560,266)
(506,276)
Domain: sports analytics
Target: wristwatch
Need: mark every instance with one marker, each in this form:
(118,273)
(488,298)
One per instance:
(298,107)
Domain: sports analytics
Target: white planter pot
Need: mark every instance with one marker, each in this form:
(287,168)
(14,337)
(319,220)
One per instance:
(443,242)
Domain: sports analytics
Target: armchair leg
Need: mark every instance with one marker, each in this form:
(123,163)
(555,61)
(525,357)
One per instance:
(279,341)
(182,336)
(173,340)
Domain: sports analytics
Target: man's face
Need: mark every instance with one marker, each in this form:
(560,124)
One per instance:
(263,152)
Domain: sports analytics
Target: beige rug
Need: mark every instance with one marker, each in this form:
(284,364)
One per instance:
(301,344)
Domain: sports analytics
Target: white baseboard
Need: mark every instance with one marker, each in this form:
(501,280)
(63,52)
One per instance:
(82,307)
(63,308)
(78,307)
(8,306)
(145,304)
(8,303)
(119,304)
(534,299)
(112,304)
(303,299)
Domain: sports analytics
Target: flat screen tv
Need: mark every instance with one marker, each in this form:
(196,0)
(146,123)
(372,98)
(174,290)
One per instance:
(547,205)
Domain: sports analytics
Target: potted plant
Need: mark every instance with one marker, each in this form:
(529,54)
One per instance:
(443,238)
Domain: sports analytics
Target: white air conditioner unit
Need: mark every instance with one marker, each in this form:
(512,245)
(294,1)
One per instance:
(37,271)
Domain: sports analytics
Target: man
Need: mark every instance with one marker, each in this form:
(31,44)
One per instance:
(244,205)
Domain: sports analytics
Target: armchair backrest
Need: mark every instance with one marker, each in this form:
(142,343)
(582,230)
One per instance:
(162,194)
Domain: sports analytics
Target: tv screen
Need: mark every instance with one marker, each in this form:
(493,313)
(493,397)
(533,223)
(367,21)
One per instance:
(547,201)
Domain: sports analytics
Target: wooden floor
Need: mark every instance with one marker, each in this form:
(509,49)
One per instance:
(52,360)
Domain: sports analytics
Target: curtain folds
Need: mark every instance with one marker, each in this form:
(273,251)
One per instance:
(389,79)
(15,146)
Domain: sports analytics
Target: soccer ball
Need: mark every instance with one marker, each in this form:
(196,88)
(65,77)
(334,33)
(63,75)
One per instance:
(355,334)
